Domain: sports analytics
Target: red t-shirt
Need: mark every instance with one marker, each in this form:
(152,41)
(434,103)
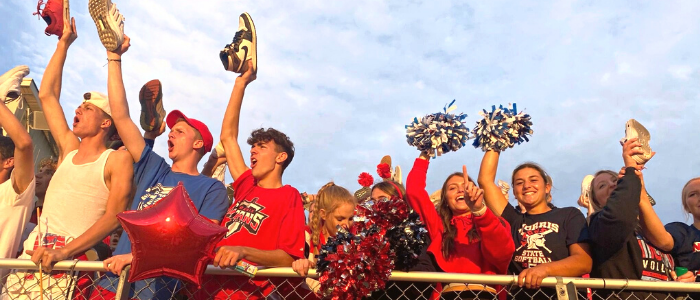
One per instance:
(265,219)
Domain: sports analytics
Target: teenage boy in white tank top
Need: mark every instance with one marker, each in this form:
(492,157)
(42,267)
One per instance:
(91,185)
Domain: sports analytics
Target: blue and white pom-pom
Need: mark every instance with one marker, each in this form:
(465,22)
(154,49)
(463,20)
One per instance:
(438,133)
(501,128)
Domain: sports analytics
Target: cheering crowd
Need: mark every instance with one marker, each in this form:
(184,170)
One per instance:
(106,166)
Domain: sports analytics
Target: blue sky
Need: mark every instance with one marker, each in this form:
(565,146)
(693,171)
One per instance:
(342,78)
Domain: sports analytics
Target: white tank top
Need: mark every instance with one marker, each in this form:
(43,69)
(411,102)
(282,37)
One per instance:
(76,197)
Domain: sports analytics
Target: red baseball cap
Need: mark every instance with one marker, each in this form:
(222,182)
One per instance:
(174,115)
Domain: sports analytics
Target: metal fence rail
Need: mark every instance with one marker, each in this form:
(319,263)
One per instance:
(79,280)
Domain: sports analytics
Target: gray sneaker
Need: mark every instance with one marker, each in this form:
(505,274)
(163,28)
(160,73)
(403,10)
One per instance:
(634,129)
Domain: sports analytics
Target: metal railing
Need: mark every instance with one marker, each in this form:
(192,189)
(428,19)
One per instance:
(79,280)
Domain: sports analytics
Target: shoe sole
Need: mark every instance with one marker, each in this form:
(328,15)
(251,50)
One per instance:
(254,57)
(152,111)
(386,160)
(643,137)
(99,11)
(66,11)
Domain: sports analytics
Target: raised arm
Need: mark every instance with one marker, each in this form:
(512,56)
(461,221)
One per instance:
(418,197)
(618,219)
(50,93)
(651,225)
(497,244)
(128,131)
(212,163)
(230,126)
(24,156)
(495,200)
(119,172)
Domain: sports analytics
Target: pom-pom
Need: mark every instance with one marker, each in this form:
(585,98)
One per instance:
(383,213)
(384,170)
(365,179)
(398,223)
(353,266)
(438,133)
(501,128)
(407,240)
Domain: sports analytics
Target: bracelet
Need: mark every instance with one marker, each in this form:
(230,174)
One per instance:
(480,212)
(114,59)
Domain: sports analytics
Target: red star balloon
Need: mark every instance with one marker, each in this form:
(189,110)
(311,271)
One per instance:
(170,238)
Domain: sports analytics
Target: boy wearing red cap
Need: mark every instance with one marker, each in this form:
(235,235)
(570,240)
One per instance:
(188,141)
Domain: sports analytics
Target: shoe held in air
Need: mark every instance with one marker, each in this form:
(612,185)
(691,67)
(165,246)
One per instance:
(152,111)
(10,83)
(634,129)
(242,48)
(109,22)
(53,15)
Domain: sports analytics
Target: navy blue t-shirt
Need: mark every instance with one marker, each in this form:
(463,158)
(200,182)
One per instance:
(686,246)
(154,179)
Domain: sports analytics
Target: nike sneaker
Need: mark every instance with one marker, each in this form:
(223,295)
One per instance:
(53,14)
(242,48)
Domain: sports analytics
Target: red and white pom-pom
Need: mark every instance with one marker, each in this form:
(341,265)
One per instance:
(365,179)
(384,170)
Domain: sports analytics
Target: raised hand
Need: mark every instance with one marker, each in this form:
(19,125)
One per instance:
(631,148)
(69,32)
(473,195)
(249,75)
(122,49)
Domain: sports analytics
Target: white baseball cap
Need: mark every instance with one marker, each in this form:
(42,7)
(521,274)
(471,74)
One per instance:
(98,99)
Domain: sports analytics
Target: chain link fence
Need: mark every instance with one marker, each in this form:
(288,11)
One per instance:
(87,280)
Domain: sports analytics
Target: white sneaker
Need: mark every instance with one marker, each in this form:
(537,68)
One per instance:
(585,197)
(505,187)
(634,129)
(242,48)
(10,83)
(219,150)
(109,22)
(396,176)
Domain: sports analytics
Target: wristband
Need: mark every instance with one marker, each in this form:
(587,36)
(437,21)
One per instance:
(114,59)
(480,212)
(651,200)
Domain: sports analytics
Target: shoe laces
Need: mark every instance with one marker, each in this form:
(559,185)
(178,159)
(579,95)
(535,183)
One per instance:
(237,39)
(38,9)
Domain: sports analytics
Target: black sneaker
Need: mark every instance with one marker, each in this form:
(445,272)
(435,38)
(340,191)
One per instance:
(243,47)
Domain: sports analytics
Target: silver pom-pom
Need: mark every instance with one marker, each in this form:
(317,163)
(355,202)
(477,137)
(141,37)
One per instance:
(502,128)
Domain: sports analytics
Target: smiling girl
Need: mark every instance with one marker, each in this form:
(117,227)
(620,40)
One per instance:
(334,208)
(549,240)
(466,237)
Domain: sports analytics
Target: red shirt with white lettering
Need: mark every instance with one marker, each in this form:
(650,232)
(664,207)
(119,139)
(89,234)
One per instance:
(265,219)
(261,218)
